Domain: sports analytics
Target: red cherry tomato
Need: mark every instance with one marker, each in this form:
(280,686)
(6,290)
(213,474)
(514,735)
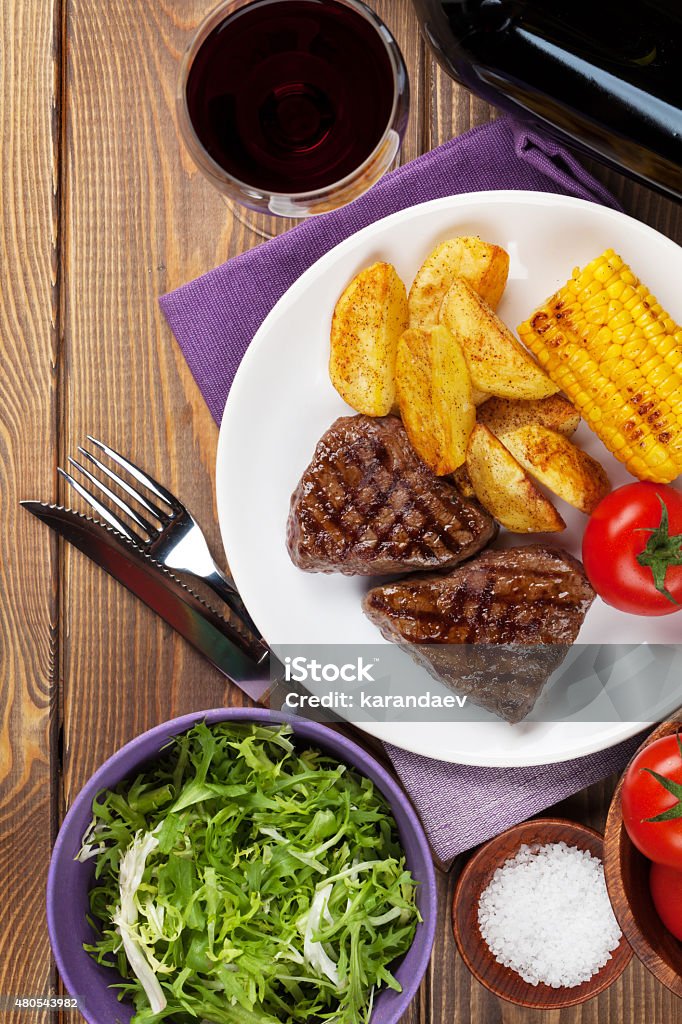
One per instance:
(632,549)
(666,891)
(646,794)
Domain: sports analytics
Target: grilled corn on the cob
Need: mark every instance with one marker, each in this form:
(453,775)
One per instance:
(608,344)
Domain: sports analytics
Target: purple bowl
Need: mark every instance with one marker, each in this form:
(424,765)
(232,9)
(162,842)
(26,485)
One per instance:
(69,881)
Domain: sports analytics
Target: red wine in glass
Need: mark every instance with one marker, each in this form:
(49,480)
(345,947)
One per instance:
(291,96)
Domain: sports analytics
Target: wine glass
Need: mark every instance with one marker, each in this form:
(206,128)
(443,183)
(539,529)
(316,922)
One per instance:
(292,108)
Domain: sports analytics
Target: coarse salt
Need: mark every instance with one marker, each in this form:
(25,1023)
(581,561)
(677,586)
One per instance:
(546,914)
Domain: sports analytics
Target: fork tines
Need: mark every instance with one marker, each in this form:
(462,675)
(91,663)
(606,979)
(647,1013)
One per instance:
(163,516)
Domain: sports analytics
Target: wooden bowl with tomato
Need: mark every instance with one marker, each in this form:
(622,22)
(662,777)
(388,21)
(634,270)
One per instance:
(647,895)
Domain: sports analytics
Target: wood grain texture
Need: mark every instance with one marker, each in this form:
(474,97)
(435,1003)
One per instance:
(28,398)
(401,21)
(452,110)
(103,210)
(138,219)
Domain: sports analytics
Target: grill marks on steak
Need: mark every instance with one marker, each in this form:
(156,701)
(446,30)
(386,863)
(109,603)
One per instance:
(525,595)
(367,505)
(523,608)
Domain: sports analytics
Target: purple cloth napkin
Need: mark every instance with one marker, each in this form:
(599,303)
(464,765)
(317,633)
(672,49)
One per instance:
(461,806)
(214,319)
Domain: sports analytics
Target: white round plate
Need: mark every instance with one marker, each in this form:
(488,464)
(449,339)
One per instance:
(282,402)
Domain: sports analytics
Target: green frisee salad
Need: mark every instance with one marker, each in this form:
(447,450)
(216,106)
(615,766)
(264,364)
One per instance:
(240,881)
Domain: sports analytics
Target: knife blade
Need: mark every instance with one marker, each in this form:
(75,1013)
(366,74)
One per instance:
(244,660)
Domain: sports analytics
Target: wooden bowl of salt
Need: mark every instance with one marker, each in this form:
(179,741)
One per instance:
(532,919)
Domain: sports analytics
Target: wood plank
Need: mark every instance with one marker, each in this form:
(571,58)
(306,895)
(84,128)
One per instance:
(28,569)
(453,110)
(139,218)
(400,19)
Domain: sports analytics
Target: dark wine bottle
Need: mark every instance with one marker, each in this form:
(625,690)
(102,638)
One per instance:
(602,75)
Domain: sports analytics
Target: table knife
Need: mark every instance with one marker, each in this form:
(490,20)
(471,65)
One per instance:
(234,651)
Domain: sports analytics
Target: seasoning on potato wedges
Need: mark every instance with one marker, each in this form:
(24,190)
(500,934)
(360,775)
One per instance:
(484,265)
(556,462)
(434,397)
(369,317)
(497,362)
(504,414)
(504,488)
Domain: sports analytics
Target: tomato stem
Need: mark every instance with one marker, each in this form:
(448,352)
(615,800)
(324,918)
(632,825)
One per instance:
(672,787)
(661,551)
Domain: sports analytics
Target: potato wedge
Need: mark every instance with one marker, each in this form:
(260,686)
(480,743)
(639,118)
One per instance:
(478,397)
(505,414)
(504,488)
(434,395)
(484,265)
(369,317)
(497,362)
(556,462)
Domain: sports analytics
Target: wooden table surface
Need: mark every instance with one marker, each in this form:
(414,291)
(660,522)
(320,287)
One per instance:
(102,211)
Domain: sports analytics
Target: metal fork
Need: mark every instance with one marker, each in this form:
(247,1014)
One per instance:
(170,534)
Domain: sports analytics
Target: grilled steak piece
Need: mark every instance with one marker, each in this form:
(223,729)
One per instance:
(367,505)
(517,612)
